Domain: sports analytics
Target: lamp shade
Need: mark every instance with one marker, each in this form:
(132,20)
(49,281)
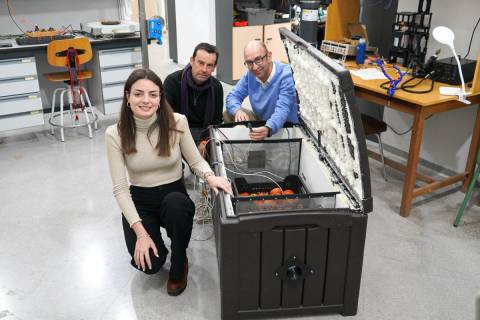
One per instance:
(444,35)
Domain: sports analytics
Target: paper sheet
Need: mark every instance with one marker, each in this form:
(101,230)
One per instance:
(368,74)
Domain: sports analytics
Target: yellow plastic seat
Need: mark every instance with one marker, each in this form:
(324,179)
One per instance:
(71,54)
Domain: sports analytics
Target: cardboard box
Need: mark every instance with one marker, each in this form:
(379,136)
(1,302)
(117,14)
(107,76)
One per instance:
(356,31)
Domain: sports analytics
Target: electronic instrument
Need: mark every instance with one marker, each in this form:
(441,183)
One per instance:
(446,70)
(99,29)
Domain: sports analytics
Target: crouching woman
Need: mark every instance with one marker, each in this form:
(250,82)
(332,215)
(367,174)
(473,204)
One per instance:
(145,150)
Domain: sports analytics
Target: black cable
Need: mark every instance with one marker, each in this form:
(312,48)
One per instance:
(384,86)
(290,152)
(395,131)
(223,134)
(405,132)
(11,16)
(391,128)
(65,29)
(471,38)
(399,133)
(406,87)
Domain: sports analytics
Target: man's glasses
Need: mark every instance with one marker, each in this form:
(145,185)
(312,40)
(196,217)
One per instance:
(258,61)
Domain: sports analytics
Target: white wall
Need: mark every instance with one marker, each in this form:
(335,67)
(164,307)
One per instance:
(55,13)
(195,24)
(446,136)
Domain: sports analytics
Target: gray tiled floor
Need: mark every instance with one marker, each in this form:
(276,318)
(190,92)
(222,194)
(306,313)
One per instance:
(62,253)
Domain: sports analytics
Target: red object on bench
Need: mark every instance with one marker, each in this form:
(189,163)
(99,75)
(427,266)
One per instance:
(243,23)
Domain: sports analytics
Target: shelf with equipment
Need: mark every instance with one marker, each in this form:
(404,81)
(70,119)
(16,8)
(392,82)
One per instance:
(230,44)
(410,36)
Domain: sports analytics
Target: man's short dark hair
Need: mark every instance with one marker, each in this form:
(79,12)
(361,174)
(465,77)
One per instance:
(210,48)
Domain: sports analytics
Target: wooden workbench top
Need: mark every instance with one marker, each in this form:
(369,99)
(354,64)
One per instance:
(424,99)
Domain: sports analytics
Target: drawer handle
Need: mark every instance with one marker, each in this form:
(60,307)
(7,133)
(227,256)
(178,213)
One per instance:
(35,112)
(137,66)
(29,78)
(26,60)
(32,97)
(137,49)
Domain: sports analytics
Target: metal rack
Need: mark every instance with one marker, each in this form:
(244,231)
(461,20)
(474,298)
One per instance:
(410,36)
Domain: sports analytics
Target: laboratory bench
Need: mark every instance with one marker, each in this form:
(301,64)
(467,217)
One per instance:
(25,94)
(421,107)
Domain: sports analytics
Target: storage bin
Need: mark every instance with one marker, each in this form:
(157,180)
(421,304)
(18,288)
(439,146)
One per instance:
(253,12)
(259,16)
(298,253)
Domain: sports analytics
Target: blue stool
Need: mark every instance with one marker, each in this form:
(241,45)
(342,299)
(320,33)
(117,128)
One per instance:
(468,195)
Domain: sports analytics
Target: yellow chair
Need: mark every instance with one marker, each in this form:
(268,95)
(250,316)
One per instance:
(71,54)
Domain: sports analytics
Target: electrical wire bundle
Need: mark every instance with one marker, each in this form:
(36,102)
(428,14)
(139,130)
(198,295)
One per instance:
(12,14)
(204,205)
(203,211)
(471,38)
(245,172)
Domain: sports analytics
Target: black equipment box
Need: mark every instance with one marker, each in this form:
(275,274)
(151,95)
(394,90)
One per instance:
(446,70)
(290,241)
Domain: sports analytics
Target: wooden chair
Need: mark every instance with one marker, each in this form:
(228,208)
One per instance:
(372,126)
(71,54)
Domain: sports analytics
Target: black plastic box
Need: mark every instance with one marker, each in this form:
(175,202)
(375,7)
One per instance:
(299,253)
(276,265)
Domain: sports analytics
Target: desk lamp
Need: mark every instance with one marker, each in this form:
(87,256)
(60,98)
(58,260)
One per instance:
(445,36)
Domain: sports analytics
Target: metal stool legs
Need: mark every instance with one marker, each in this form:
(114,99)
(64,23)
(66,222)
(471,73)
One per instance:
(88,107)
(85,112)
(52,111)
(380,147)
(373,126)
(468,195)
(90,116)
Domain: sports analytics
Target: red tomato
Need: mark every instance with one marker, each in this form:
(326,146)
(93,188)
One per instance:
(276,192)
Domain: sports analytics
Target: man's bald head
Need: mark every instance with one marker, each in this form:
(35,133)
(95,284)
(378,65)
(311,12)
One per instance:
(255,46)
(258,59)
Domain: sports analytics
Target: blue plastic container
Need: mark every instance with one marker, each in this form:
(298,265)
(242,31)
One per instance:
(360,58)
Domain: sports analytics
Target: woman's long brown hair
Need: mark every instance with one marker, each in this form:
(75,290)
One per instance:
(165,120)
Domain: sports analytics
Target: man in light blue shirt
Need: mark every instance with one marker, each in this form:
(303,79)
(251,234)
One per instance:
(270,88)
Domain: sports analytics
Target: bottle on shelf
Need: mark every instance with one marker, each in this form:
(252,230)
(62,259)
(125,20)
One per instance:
(360,58)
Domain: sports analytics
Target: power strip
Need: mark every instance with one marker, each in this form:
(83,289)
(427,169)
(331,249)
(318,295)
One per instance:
(336,48)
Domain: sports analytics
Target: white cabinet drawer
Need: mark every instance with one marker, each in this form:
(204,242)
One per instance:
(21,121)
(18,86)
(117,75)
(120,57)
(17,68)
(113,92)
(20,104)
(112,106)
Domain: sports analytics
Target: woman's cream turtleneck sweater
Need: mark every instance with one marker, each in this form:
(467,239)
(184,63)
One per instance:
(145,167)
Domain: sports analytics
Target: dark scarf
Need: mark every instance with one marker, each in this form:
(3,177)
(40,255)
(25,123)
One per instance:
(187,82)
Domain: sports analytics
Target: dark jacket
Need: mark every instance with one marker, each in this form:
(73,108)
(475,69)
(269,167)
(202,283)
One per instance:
(172,87)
